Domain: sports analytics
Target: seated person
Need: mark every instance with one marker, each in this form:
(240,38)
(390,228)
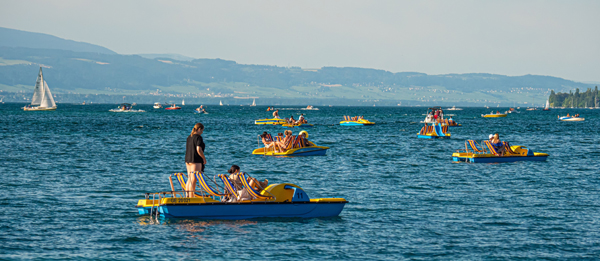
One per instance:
(303,139)
(285,140)
(497,144)
(300,119)
(265,140)
(291,120)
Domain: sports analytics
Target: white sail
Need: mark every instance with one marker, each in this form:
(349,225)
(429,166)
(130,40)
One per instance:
(547,104)
(182,102)
(47,99)
(254,102)
(221,103)
(39,89)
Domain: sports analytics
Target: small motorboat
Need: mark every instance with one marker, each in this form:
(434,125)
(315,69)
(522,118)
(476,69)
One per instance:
(494,115)
(478,154)
(569,118)
(270,122)
(212,200)
(434,131)
(157,105)
(125,107)
(293,148)
(454,109)
(310,108)
(355,121)
(173,107)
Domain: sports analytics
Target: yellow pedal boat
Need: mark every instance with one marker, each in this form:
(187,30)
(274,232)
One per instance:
(492,115)
(276,200)
(360,122)
(294,147)
(475,154)
(270,122)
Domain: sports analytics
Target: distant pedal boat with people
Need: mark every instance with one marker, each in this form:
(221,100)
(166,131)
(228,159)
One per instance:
(474,153)
(355,121)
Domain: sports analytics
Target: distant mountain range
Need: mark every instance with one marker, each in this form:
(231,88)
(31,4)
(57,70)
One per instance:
(74,68)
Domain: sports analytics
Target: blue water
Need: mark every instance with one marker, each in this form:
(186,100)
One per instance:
(71,179)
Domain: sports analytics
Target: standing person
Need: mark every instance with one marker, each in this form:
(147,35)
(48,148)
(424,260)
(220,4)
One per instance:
(276,114)
(194,157)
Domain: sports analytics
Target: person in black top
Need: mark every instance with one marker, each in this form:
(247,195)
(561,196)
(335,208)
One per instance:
(194,157)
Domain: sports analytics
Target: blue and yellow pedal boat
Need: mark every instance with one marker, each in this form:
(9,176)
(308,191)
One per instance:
(293,148)
(434,131)
(284,200)
(475,154)
(270,122)
(349,121)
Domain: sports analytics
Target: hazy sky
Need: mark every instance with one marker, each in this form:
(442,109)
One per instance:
(557,38)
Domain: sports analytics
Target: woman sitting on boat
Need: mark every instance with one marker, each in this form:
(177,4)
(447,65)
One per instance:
(267,140)
(497,144)
(303,139)
(284,142)
(234,177)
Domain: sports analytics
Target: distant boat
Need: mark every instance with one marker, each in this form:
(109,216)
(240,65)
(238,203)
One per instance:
(41,96)
(125,107)
(221,103)
(173,107)
(454,109)
(182,102)
(253,102)
(547,108)
(157,105)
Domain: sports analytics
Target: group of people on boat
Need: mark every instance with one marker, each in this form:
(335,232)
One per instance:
(355,118)
(283,143)
(271,108)
(574,116)
(292,121)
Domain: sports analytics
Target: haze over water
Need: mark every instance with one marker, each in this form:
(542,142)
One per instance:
(71,180)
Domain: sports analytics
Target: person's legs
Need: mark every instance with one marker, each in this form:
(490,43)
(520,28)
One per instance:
(190,186)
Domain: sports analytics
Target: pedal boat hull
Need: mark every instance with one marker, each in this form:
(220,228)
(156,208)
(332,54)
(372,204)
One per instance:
(270,122)
(433,136)
(290,202)
(362,122)
(306,151)
(493,115)
(304,125)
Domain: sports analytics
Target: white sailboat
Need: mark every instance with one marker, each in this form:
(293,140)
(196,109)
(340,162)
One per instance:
(547,108)
(41,96)
(253,102)
(182,102)
(220,103)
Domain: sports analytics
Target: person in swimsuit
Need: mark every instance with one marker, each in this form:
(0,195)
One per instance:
(497,144)
(194,157)
(276,114)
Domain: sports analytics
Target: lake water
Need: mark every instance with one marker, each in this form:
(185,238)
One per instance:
(71,180)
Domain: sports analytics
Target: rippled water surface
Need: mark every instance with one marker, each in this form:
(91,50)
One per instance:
(71,180)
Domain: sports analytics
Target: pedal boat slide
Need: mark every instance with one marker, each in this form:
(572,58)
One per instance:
(474,154)
(434,131)
(360,122)
(294,149)
(284,200)
(270,122)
